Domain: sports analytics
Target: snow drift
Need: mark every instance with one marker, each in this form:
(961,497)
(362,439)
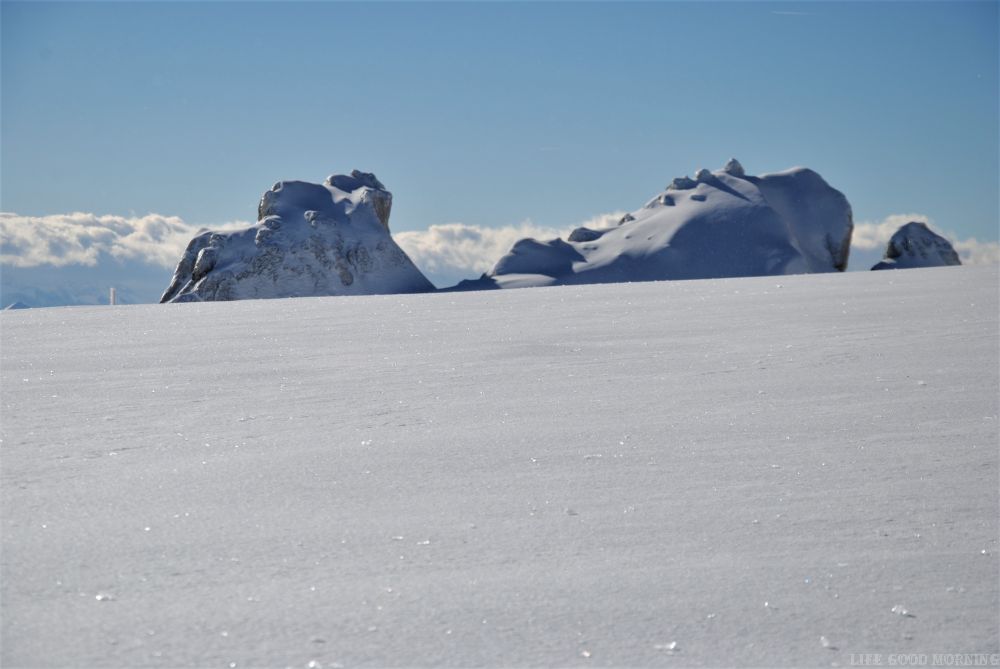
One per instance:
(309,240)
(719,224)
(916,245)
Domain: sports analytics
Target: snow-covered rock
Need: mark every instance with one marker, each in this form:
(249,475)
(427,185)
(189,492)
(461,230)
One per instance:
(916,245)
(682,183)
(585,235)
(16,305)
(734,168)
(723,224)
(310,240)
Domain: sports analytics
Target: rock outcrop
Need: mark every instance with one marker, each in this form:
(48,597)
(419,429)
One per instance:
(916,245)
(719,224)
(309,240)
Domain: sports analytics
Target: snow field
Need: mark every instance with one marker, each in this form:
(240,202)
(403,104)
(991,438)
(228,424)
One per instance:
(749,472)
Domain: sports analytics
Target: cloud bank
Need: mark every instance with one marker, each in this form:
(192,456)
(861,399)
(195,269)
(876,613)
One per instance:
(450,252)
(81,239)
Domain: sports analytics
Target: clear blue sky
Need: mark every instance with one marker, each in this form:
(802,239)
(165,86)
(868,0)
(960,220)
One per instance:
(490,113)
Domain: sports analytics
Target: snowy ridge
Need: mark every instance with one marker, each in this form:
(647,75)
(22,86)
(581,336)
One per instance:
(310,240)
(719,224)
(916,245)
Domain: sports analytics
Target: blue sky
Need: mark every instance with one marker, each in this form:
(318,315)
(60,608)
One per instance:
(491,114)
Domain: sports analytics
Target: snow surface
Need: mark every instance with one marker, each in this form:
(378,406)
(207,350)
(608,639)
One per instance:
(916,245)
(755,472)
(309,240)
(719,224)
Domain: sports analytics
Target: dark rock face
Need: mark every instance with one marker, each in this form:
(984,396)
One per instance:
(916,245)
(310,240)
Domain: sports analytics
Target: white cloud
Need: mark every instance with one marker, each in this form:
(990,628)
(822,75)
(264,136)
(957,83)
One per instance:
(469,249)
(868,236)
(601,221)
(874,236)
(449,252)
(974,252)
(81,239)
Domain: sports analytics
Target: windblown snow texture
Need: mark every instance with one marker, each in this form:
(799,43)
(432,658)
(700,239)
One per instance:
(719,224)
(309,240)
(916,245)
(687,474)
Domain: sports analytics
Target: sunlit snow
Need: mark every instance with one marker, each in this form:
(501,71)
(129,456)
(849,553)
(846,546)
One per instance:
(758,472)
